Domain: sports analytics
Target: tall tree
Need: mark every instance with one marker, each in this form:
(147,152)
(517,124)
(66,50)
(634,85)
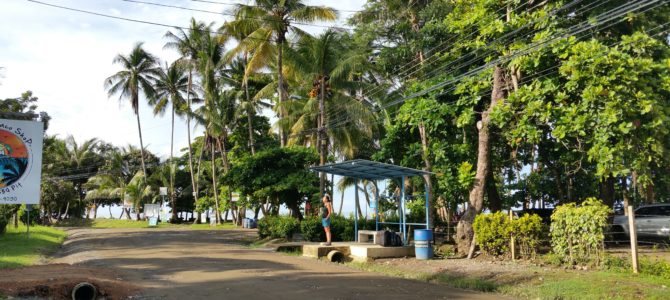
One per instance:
(275,20)
(187,43)
(138,70)
(171,84)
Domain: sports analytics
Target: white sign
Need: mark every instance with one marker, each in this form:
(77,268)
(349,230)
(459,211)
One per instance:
(20,161)
(162,191)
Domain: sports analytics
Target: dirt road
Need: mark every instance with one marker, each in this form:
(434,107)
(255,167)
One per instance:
(181,264)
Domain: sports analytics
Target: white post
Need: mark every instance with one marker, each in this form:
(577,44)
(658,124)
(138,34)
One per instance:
(633,238)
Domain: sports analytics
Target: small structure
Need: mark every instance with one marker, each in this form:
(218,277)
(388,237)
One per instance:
(371,170)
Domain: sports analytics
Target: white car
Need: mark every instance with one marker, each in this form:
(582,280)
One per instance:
(651,221)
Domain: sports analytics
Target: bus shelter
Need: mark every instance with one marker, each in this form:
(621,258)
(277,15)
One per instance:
(361,169)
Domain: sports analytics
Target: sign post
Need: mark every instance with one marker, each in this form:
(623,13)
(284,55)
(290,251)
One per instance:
(21,163)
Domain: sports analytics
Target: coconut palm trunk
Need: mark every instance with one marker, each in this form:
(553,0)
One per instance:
(139,130)
(173,199)
(190,146)
(322,142)
(280,88)
(250,109)
(216,192)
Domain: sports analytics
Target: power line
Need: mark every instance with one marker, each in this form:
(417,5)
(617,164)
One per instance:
(236,4)
(228,14)
(133,20)
(620,11)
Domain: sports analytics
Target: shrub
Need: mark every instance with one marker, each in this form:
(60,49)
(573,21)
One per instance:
(265,226)
(34,215)
(493,233)
(312,230)
(577,232)
(528,232)
(285,227)
(277,227)
(3,225)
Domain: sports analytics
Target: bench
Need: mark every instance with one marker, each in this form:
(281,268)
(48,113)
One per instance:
(377,237)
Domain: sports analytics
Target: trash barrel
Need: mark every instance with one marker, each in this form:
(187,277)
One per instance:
(245,223)
(423,243)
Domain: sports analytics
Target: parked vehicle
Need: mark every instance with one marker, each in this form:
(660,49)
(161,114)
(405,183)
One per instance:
(651,221)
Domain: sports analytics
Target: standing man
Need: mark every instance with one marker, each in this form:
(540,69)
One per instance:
(326,211)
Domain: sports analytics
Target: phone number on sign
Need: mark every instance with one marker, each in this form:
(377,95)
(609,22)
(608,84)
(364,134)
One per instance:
(9,199)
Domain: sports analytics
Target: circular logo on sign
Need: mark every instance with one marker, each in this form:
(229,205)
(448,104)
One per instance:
(13,158)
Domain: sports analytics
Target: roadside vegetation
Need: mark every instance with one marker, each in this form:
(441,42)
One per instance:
(17,250)
(107,223)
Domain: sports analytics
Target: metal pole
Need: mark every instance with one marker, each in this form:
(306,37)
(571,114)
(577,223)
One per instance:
(402,208)
(356,212)
(28,224)
(377,207)
(427,210)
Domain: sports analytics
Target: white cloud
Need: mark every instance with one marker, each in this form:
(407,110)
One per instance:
(64,57)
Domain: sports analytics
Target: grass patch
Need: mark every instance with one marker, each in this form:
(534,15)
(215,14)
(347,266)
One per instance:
(17,250)
(110,223)
(591,285)
(469,283)
(554,284)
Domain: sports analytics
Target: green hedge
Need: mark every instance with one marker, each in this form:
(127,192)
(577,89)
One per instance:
(34,215)
(494,232)
(577,232)
(278,227)
(341,228)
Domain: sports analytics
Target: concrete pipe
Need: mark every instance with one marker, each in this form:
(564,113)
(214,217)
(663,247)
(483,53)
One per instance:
(336,256)
(84,291)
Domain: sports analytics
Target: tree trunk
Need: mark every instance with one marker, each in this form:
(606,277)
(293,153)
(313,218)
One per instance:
(321,142)
(607,191)
(139,130)
(216,191)
(67,209)
(283,137)
(495,203)
(95,210)
(339,211)
(464,231)
(250,109)
(194,185)
(427,167)
(110,212)
(173,199)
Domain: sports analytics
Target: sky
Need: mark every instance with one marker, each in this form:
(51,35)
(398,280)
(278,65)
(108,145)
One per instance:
(64,56)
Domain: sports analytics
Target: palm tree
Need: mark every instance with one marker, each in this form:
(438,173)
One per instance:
(171,84)
(187,43)
(210,63)
(272,21)
(138,69)
(76,156)
(139,191)
(333,67)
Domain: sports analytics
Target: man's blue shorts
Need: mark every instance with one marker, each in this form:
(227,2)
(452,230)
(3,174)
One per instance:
(325,222)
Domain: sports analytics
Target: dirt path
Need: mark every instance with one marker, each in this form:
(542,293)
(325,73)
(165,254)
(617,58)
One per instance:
(180,264)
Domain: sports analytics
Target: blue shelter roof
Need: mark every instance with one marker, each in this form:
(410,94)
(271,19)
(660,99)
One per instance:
(370,170)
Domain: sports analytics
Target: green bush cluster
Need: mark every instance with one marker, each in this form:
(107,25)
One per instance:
(341,228)
(528,234)
(6,212)
(577,232)
(494,231)
(34,215)
(647,266)
(312,230)
(3,225)
(278,227)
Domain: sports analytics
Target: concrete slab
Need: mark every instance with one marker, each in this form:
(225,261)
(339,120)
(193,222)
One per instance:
(367,252)
(357,251)
(316,250)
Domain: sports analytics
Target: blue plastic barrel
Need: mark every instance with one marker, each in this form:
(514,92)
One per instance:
(423,243)
(253,223)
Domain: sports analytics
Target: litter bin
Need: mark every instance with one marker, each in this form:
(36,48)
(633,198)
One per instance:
(423,243)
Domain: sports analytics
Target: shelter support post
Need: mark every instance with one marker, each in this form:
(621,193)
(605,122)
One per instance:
(427,210)
(403,230)
(377,202)
(356,212)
